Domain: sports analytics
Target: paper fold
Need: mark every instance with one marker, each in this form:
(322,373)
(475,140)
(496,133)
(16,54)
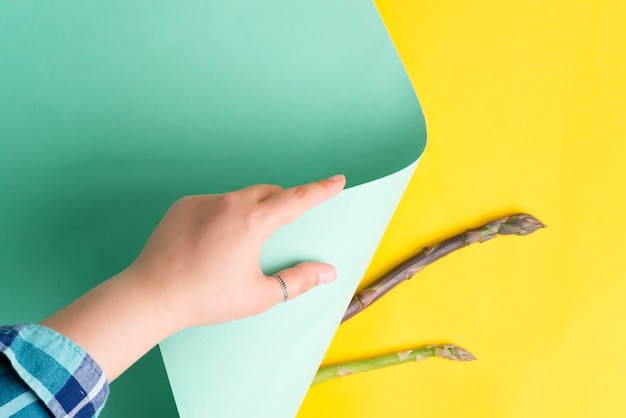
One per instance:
(262,366)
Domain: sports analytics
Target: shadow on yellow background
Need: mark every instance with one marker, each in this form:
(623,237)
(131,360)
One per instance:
(525,104)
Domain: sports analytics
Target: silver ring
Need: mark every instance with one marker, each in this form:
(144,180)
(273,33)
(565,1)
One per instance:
(284,285)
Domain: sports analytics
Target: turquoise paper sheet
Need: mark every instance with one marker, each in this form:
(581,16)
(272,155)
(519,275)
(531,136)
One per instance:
(111,111)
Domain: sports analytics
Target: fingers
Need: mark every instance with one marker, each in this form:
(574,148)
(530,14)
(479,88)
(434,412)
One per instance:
(289,204)
(299,279)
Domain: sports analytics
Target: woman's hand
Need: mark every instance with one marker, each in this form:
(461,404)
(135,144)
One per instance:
(200,266)
(203,258)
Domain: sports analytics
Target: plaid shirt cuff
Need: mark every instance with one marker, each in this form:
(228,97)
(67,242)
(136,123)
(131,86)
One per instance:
(60,374)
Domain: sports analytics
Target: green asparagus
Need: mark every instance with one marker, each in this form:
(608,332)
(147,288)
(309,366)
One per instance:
(447,351)
(518,224)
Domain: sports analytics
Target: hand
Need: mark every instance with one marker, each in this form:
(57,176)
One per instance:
(200,266)
(203,258)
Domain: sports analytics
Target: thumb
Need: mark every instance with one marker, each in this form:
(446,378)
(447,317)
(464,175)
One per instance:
(299,279)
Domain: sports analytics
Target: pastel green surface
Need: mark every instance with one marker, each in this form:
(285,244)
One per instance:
(262,366)
(111,111)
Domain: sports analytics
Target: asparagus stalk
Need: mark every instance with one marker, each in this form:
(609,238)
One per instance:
(518,224)
(447,351)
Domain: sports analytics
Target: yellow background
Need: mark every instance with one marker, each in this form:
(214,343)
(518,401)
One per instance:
(525,104)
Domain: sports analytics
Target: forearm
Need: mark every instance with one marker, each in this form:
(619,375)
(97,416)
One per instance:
(117,322)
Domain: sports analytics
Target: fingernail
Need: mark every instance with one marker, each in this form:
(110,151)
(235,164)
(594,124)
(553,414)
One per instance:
(337,177)
(327,276)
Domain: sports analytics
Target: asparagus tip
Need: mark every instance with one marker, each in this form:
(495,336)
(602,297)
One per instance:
(521,224)
(453,352)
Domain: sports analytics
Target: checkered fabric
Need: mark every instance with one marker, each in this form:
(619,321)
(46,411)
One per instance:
(44,374)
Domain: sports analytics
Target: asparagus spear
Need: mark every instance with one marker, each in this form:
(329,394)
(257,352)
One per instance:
(518,224)
(447,351)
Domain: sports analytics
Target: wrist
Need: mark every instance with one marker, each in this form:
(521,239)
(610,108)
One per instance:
(117,322)
(163,295)
(156,297)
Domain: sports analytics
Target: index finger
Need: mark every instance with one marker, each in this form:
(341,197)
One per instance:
(288,205)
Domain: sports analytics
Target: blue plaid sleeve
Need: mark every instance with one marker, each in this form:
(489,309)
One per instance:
(43,374)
